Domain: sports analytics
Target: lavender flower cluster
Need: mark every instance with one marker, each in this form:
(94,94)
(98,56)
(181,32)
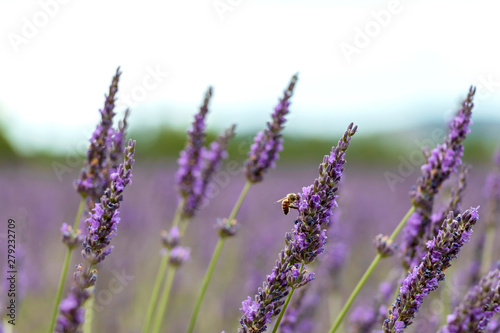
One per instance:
(477,308)
(267,144)
(101,227)
(303,244)
(433,236)
(105,151)
(197,164)
(424,278)
(442,161)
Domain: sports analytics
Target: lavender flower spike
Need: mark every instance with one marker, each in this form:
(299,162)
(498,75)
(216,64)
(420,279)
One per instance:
(189,180)
(424,278)
(117,144)
(302,245)
(101,227)
(94,178)
(474,313)
(268,143)
(212,159)
(441,162)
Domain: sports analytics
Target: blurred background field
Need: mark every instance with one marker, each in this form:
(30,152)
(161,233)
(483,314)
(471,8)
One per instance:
(34,196)
(401,86)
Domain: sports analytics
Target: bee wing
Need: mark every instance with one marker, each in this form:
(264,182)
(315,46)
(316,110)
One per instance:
(281,200)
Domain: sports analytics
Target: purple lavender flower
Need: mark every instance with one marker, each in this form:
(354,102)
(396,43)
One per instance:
(117,144)
(101,227)
(316,203)
(384,245)
(189,181)
(226,228)
(441,162)
(299,316)
(302,245)
(179,255)
(106,147)
(453,204)
(477,308)
(212,159)
(267,144)
(171,239)
(70,236)
(424,278)
(102,224)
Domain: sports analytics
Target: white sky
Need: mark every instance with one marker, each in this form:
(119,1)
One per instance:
(416,67)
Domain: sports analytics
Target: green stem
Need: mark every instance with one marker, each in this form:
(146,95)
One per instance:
(161,274)
(164,299)
(238,203)
(156,292)
(215,258)
(89,313)
(368,273)
(79,213)
(282,312)
(204,286)
(401,224)
(64,270)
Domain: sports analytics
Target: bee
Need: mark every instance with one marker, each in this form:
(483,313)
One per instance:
(288,202)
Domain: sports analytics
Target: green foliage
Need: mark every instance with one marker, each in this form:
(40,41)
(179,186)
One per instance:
(375,149)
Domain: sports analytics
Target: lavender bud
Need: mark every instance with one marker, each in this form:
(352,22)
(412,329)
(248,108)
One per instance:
(179,255)
(117,144)
(267,144)
(71,237)
(384,245)
(226,228)
(172,239)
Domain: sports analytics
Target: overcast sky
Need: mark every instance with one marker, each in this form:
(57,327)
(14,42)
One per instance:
(381,64)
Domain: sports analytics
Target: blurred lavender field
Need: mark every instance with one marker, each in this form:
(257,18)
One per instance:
(40,203)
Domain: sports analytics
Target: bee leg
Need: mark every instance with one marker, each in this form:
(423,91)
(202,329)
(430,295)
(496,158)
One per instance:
(294,207)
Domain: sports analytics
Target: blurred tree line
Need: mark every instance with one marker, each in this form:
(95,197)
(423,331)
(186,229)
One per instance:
(382,149)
